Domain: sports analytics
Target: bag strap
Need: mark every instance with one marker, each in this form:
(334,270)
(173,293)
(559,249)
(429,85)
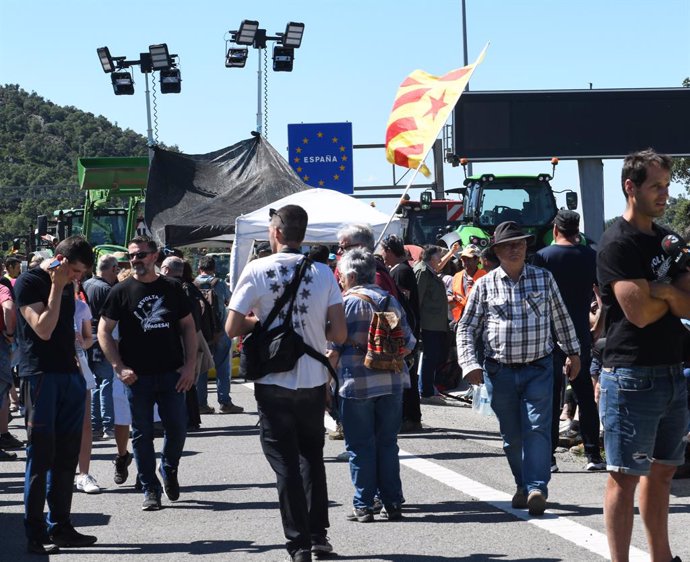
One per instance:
(290,292)
(366,298)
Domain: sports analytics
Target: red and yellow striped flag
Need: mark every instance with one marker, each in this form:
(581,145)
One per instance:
(420,110)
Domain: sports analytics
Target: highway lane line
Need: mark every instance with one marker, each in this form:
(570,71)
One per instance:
(565,528)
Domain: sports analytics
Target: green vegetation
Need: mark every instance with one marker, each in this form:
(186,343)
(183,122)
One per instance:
(39,146)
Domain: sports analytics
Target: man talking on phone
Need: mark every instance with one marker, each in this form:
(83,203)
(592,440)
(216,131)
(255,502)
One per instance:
(55,391)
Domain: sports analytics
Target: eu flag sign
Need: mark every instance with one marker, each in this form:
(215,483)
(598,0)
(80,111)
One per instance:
(321,154)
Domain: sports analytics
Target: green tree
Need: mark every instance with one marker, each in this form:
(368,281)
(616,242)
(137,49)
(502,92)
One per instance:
(39,146)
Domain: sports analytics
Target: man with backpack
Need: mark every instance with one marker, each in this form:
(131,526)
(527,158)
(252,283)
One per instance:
(292,403)
(217,296)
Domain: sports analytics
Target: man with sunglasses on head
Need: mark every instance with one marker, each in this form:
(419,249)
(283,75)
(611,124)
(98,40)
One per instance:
(155,359)
(292,403)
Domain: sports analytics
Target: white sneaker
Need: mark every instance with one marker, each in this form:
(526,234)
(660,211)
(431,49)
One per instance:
(87,484)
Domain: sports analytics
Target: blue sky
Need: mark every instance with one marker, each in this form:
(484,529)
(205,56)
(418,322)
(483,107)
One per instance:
(354,55)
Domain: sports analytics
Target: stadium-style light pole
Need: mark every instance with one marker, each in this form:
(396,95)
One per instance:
(158,59)
(250,34)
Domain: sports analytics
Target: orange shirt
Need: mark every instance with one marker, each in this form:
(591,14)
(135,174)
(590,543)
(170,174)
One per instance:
(458,305)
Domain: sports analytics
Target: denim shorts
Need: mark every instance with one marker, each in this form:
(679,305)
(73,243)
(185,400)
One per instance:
(644,411)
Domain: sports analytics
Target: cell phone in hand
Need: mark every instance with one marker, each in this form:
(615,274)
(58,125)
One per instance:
(53,264)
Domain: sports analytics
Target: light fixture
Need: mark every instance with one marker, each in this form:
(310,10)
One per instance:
(245,35)
(106,59)
(160,58)
(236,58)
(283,57)
(293,35)
(171,81)
(123,85)
(425,200)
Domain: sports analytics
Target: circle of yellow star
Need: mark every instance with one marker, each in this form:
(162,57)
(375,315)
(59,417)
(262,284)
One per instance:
(295,160)
(305,140)
(319,134)
(306,178)
(298,150)
(336,177)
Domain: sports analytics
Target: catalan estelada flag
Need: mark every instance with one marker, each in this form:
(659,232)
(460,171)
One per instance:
(420,110)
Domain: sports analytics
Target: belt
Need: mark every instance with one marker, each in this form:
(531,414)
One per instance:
(515,365)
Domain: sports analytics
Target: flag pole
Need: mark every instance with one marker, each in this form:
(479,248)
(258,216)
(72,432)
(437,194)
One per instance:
(471,68)
(407,188)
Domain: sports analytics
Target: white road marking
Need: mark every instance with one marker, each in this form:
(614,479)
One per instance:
(565,528)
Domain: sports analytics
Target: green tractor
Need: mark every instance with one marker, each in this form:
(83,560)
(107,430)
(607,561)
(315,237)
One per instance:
(114,194)
(489,200)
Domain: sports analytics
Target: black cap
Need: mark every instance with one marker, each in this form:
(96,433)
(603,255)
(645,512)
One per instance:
(567,221)
(263,247)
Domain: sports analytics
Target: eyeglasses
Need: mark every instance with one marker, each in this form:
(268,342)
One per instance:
(343,248)
(272,213)
(140,255)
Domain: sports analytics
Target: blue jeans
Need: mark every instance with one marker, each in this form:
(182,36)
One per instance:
(521,397)
(158,389)
(435,353)
(645,415)
(221,358)
(55,414)
(371,437)
(6,381)
(102,410)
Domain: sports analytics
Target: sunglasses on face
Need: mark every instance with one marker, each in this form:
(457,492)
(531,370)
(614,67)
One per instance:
(345,247)
(139,255)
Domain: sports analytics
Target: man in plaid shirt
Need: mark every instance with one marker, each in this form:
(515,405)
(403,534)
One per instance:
(516,308)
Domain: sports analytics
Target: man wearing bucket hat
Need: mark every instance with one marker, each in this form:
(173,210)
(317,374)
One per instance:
(515,309)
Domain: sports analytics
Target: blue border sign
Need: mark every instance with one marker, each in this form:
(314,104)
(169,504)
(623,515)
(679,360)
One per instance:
(321,154)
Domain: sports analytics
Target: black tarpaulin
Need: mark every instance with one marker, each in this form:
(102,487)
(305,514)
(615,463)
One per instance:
(192,198)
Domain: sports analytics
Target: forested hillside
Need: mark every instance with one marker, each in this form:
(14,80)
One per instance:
(39,146)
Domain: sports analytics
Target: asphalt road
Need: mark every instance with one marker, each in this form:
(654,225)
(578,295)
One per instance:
(456,482)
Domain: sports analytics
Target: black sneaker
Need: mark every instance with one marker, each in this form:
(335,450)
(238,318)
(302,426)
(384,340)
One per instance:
(378,505)
(363,515)
(152,500)
(301,555)
(9,442)
(44,547)
(68,536)
(320,546)
(171,486)
(121,463)
(5,456)
(392,512)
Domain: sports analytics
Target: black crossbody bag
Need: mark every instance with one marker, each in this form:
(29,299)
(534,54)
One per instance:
(277,350)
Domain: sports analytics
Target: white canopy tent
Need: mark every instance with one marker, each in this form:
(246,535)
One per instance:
(328,212)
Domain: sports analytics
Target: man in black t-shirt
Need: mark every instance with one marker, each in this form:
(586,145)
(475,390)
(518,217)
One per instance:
(643,395)
(55,394)
(155,358)
(574,267)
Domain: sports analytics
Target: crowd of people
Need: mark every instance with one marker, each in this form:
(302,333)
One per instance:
(133,347)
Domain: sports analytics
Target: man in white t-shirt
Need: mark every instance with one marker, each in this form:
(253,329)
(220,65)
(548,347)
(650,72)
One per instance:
(292,404)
